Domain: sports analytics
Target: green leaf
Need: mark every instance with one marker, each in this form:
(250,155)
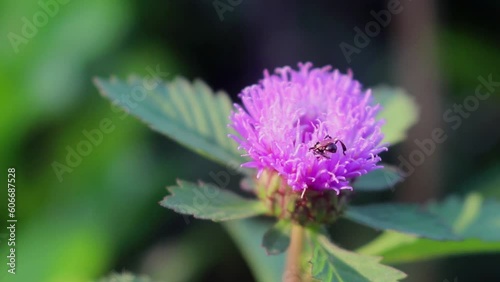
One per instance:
(471,217)
(331,263)
(377,180)
(189,113)
(397,247)
(407,218)
(206,201)
(277,238)
(247,234)
(399,111)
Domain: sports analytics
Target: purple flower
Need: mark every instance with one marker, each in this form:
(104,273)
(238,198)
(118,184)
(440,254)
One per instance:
(287,113)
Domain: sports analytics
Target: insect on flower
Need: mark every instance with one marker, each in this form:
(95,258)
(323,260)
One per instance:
(327,145)
(283,110)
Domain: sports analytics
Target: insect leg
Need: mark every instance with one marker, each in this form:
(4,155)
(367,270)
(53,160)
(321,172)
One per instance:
(344,148)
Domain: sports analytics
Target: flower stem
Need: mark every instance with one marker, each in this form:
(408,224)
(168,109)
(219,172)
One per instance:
(293,267)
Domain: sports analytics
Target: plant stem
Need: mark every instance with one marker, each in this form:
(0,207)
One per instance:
(293,267)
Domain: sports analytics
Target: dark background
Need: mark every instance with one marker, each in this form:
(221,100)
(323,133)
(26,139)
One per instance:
(103,215)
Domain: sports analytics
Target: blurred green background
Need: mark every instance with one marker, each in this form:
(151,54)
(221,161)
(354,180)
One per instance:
(102,216)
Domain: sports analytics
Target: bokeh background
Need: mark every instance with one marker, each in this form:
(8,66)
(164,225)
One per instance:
(102,216)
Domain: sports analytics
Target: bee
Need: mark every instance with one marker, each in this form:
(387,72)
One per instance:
(327,145)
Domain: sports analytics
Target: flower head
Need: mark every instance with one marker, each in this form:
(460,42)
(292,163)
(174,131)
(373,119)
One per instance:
(287,113)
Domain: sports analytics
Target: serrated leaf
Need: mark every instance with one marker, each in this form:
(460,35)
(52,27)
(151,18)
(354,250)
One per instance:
(207,201)
(378,180)
(189,113)
(247,233)
(331,263)
(399,111)
(408,218)
(277,238)
(471,217)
